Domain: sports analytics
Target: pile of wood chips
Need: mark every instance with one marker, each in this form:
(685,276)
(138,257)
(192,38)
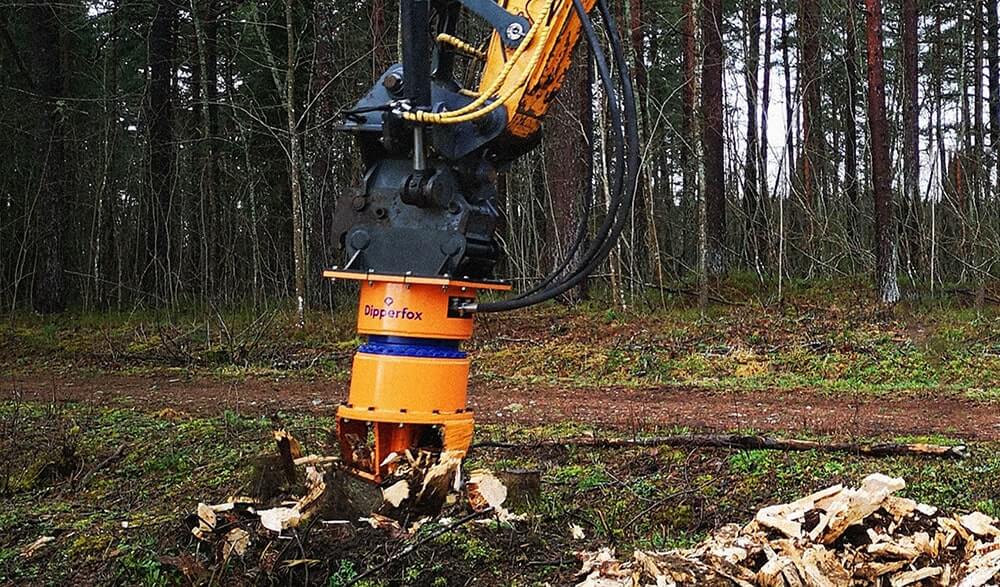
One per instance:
(836,537)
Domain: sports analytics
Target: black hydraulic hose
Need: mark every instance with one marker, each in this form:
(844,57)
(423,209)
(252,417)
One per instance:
(603,241)
(604,245)
(632,161)
(604,73)
(581,234)
(615,199)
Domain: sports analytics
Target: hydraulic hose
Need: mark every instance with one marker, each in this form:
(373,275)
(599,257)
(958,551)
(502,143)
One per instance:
(617,214)
(581,234)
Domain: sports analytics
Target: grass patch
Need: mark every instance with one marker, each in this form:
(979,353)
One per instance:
(823,335)
(125,520)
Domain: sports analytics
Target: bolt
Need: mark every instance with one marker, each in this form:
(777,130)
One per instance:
(515,31)
(393,83)
(360,239)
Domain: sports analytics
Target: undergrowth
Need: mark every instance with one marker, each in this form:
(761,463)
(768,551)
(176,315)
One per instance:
(118,516)
(825,335)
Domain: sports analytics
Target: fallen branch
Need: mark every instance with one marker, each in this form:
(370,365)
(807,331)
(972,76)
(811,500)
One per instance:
(746,443)
(974,294)
(718,299)
(113,457)
(412,547)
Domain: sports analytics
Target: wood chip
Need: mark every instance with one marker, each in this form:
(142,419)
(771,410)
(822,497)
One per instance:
(901,549)
(33,548)
(953,525)
(980,577)
(237,541)
(315,488)
(823,569)
(911,577)
(206,522)
(899,507)
(770,575)
(871,571)
(925,545)
(396,493)
(979,524)
(774,517)
(280,518)
(206,517)
(851,507)
(315,460)
(440,477)
(485,490)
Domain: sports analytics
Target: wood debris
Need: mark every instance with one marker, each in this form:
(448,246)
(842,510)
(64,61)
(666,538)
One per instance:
(979,524)
(30,550)
(396,493)
(289,449)
(315,487)
(485,491)
(206,522)
(838,537)
(280,518)
(236,542)
(315,460)
(420,483)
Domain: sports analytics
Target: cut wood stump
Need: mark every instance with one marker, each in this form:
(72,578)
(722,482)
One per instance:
(524,486)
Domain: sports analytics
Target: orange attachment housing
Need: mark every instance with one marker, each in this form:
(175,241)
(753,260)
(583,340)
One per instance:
(532,99)
(409,382)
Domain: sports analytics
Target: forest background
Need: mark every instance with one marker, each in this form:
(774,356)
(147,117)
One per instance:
(163,153)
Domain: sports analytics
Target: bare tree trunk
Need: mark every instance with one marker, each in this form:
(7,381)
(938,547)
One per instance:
(568,178)
(812,132)
(712,137)
(205,19)
(994,75)
(690,136)
(104,206)
(765,101)
(295,169)
(49,291)
(614,256)
(981,173)
(979,178)
(911,134)
(850,124)
(751,186)
(789,99)
(324,153)
(645,201)
(942,161)
(939,95)
(160,170)
(885,237)
(380,51)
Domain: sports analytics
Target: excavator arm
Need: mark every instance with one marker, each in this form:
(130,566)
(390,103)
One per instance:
(419,232)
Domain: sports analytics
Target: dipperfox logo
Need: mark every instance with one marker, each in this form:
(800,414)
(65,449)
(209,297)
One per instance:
(388,312)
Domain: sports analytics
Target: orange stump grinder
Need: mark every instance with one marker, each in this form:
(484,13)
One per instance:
(419,234)
(409,381)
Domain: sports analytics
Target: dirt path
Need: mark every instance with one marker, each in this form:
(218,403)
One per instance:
(786,411)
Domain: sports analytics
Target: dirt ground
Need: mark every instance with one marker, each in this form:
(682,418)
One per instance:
(787,411)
